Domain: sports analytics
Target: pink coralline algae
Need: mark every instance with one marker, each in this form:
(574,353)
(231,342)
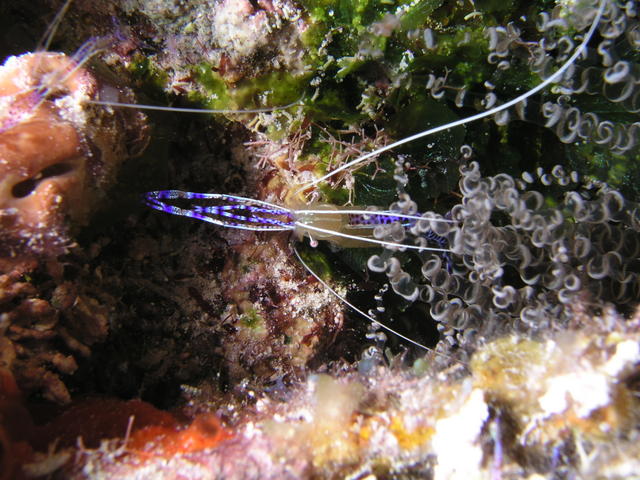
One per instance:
(58,152)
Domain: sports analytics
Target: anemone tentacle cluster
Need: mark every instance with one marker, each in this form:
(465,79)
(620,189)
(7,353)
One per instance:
(607,73)
(525,251)
(517,262)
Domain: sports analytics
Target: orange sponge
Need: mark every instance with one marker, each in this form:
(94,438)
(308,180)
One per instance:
(59,153)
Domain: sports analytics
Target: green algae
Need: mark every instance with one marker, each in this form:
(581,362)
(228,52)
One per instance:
(253,320)
(345,60)
(145,72)
(319,262)
(270,90)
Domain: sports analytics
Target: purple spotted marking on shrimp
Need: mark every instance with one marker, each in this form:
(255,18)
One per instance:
(372,220)
(443,243)
(365,220)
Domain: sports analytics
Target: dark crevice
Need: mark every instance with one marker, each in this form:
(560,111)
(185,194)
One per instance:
(28,186)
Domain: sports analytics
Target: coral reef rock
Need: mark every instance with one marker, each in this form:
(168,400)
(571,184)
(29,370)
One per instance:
(42,338)
(565,404)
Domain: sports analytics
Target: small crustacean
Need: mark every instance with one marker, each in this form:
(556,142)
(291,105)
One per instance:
(345,227)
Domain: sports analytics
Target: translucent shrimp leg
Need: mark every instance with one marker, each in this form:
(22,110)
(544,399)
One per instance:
(243,213)
(553,78)
(86,51)
(47,37)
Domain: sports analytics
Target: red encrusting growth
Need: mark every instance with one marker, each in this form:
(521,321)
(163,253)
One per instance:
(153,431)
(15,426)
(88,422)
(96,419)
(205,432)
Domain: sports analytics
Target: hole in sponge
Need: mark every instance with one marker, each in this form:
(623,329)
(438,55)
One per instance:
(26,187)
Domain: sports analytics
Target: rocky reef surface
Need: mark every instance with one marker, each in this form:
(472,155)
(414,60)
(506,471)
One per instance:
(134,343)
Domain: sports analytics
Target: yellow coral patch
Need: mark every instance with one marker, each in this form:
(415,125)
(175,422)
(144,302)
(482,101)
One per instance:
(410,439)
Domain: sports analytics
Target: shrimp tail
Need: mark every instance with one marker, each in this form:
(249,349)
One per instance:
(225,210)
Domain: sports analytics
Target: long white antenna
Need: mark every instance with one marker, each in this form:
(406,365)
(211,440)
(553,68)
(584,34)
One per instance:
(161,108)
(556,76)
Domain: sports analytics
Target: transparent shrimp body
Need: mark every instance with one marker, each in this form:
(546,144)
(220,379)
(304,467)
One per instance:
(348,228)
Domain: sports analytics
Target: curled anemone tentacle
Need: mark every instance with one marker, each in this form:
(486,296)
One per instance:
(588,245)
